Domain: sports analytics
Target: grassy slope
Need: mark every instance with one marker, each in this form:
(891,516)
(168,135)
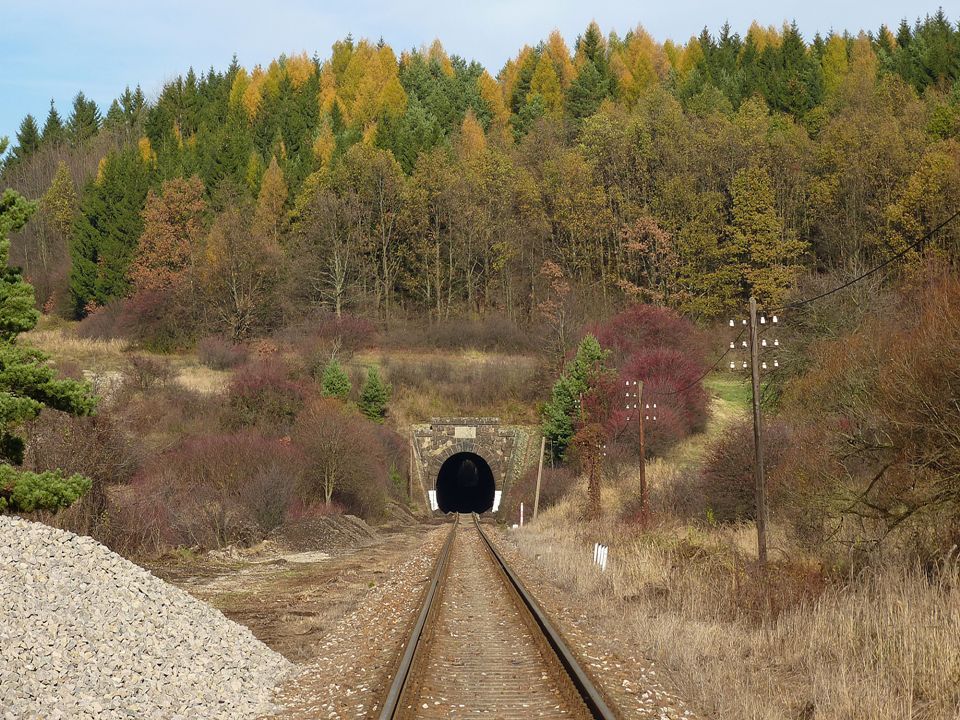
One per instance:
(885,647)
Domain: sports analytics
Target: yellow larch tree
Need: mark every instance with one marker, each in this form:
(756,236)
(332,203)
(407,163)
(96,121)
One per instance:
(252,94)
(558,51)
(834,63)
(639,64)
(546,84)
(436,53)
(271,202)
(764,37)
(238,90)
(324,145)
(299,68)
(472,142)
(492,94)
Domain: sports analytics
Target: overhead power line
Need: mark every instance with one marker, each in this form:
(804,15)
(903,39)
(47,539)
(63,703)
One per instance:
(892,259)
(806,301)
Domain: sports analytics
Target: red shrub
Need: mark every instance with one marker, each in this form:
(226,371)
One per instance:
(104,323)
(726,482)
(219,354)
(345,459)
(644,327)
(665,352)
(159,320)
(262,393)
(219,489)
(324,330)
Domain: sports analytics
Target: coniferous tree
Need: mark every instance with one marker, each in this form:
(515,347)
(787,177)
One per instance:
(587,91)
(28,383)
(28,139)
(374,396)
(335,382)
(84,121)
(53,130)
(107,229)
(271,202)
(563,410)
(115,119)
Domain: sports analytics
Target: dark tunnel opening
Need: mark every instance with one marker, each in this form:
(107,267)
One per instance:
(465,484)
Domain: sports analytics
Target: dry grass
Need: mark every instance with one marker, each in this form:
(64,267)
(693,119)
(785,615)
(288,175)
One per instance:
(456,383)
(886,646)
(103,361)
(63,345)
(883,646)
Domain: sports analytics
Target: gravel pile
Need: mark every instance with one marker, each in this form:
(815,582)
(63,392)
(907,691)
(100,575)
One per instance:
(331,534)
(85,633)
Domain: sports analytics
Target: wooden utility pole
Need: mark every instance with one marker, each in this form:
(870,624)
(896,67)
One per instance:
(410,475)
(644,492)
(761,488)
(536,497)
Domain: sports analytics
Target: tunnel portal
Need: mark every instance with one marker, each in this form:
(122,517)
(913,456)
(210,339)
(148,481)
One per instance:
(465,484)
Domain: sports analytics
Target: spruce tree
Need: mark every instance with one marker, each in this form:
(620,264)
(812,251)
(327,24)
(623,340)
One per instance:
(335,382)
(84,121)
(28,383)
(579,376)
(374,396)
(586,92)
(115,119)
(53,130)
(28,139)
(107,229)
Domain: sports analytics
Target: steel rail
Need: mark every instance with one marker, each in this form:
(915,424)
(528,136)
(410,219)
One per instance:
(591,696)
(391,705)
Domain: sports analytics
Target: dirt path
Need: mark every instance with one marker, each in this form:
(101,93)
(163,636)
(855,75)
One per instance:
(292,600)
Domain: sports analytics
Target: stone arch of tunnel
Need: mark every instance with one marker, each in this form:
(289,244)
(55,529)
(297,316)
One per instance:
(465,484)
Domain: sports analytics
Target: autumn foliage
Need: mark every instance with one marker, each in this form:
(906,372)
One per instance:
(667,353)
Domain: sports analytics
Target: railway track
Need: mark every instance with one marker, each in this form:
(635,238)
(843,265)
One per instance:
(481,646)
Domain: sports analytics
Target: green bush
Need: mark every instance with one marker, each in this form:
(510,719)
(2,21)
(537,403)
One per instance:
(24,491)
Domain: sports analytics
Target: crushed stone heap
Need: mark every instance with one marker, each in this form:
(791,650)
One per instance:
(86,633)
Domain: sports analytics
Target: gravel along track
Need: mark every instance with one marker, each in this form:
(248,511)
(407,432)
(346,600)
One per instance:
(481,654)
(85,633)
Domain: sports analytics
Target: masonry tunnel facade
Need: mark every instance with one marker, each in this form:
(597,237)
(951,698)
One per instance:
(465,484)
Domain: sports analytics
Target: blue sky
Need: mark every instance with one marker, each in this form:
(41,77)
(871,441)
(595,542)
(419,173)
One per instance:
(53,48)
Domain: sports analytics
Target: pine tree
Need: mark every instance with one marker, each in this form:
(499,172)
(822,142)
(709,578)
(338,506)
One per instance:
(115,119)
(53,130)
(28,383)
(374,396)
(335,383)
(28,139)
(562,410)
